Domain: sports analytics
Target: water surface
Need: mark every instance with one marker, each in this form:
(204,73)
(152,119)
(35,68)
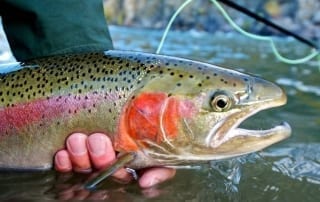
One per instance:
(288,171)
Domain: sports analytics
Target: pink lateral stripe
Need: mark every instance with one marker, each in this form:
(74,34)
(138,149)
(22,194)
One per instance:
(22,114)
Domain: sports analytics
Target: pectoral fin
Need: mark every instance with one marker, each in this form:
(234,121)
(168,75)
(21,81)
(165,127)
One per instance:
(121,162)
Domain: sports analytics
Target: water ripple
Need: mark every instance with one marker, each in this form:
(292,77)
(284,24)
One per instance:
(299,85)
(298,161)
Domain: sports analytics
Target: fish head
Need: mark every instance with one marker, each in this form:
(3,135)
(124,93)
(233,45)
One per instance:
(190,111)
(213,133)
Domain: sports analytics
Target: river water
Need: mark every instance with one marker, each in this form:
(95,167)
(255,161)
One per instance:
(288,171)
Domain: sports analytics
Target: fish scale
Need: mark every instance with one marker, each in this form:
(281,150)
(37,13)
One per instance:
(57,78)
(57,75)
(155,106)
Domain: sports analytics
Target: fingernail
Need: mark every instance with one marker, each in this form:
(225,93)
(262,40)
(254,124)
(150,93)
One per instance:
(97,145)
(77,144)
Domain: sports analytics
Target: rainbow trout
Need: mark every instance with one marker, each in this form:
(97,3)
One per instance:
(163,110)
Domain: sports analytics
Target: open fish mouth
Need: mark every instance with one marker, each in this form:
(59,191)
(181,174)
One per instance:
(222,133)
(239,141)
(234,141)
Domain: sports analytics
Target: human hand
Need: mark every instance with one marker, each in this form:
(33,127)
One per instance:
(84,153)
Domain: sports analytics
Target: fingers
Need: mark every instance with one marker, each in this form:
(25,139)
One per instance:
(78,153)
(62,161)
(74,157)
(155,176)
(102,155)
(84,153)
(100,150)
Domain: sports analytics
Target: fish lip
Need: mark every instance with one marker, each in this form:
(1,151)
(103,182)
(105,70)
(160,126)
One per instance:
(283,130)
(282,127)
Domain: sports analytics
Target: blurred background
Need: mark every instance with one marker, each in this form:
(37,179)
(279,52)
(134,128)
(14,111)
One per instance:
(301,16)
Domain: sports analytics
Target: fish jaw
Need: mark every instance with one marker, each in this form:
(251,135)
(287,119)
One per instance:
(226,140)
(242,141)
(261,95)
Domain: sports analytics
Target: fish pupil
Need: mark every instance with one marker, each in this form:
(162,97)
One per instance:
(221,103)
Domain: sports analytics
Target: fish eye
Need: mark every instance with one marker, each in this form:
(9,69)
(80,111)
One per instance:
(220,102)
